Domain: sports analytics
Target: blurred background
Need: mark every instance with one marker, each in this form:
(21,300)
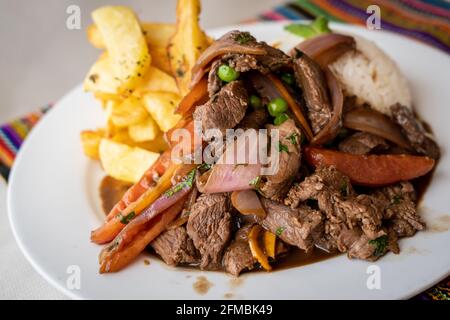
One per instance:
(41,59)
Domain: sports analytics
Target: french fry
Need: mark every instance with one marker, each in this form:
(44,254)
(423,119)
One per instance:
(161,106)
(123,162)
(187,44)
(143,131)
(157,80)
(90,140)
(125,44)
(129,112)
(101,79)
(94,36)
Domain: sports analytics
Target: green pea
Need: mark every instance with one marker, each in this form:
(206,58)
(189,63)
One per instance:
(277,106)
(227,73)
(255,101)
(288,78)
(279,119)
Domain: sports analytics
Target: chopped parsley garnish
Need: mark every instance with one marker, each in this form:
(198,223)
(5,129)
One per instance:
(243,37)
(397,199)
(344,188)
(255,182)
(180,72)
(282,147)
(204,166)
(186,183)
(126,219)
(380,245)
(280,230)
(293,138)
(315,28)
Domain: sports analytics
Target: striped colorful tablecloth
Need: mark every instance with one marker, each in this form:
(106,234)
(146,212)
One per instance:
(425,20)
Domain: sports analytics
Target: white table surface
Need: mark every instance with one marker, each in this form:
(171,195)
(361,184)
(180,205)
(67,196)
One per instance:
(40,60)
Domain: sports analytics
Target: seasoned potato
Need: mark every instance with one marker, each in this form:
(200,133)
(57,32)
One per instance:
(101,79)
(90,140)
(157,80)
(158,144)
(187,44)
(94,36)
(129,112)
(123,162)
(143,131)
(125,44)
(161,106)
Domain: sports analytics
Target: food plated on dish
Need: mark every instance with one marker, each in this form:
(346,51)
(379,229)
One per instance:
(353,157)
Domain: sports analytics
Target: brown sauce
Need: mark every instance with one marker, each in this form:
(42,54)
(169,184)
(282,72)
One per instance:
(111,191)
(297,258)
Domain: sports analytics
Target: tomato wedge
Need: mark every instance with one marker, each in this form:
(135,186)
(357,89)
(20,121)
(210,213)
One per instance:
(371,170)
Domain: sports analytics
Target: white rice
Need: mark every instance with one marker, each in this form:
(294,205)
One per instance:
(370,75)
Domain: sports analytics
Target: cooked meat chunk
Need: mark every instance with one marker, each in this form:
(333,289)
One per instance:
(214,82)
(237,256)
(209,226)
(225,110)
(277,185)
(362,143)
(175,247)
(323,180)
(312,81)
(255,119)
(400,208)
(414,131)
(296,227)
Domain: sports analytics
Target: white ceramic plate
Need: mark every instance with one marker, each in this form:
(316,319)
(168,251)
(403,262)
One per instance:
(53,206)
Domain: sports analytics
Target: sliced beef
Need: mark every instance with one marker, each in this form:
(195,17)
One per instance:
(214,82)
(255,119)
(225,110)
(237,256)
(362,143)
(175,247)
(297,227)
(276,186)
(323,181)
(400,208)
(414,131)
(311,79)
(210,227)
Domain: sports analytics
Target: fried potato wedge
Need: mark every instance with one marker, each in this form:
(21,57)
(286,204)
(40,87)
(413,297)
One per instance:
(188,42)
(123,162)
(101,79)
(161,106)
(157,80)
(143,131)
(90,140)
(129,112)
(125,44)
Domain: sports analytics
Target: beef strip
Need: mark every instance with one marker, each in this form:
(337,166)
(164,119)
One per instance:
(312,81)
(210,227)
(237,256)
(297,227)
(277,185)
(225,110)
(175,247)
(362,143)
(254,119)
(400,208)
(414,131)
(214,82)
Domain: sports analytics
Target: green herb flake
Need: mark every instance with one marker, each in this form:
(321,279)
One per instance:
(243,37)
(293,138)
(126,219)
(255,182)
(186,183)
(380,245)
(397,199)
(282,147)
(204,166)
(344,188)
(280,230)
